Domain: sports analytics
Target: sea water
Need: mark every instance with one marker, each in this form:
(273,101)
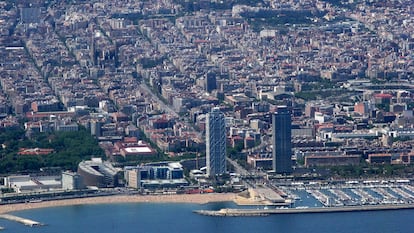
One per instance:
(179,218)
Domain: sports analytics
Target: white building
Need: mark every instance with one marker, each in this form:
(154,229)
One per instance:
(71,181)
(27,183)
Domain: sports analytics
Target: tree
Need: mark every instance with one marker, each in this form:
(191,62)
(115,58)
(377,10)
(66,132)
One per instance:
(70,148)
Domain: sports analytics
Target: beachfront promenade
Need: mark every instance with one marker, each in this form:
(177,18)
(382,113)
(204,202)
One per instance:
(175,198)
(184,198)
(196,199)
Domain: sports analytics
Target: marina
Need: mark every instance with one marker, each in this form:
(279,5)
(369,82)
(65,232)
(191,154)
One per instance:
(356,193)
(325,197)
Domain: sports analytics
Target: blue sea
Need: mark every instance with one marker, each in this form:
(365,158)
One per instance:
(179,218)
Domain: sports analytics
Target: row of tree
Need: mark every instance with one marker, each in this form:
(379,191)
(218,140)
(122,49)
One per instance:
(70,148)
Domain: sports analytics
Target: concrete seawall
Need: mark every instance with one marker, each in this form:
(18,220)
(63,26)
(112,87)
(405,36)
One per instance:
(266,212)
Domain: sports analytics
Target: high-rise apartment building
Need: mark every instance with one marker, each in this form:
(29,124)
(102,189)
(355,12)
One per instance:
(215,142)
(210,82)
(282,143)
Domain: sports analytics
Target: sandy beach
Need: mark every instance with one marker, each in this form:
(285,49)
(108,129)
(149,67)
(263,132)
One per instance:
(181,198)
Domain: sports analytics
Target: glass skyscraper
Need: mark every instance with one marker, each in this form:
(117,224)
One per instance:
(215,142)
(282,142)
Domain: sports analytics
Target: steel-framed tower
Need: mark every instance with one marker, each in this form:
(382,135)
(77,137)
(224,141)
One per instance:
(215,142)
(282,141)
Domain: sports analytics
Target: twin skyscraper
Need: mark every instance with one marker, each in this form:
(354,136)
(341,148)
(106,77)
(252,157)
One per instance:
(216,141)
(282,140)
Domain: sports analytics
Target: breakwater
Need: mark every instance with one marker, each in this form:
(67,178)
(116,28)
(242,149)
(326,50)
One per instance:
(24,221)
(266,212)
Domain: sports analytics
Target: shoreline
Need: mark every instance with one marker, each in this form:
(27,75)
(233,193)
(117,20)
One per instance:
(174,198)
(192,199)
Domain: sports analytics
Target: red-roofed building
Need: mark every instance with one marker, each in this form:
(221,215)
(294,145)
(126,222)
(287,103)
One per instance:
(35,151)
(161,123)
(407,158)
(249,142)
(236,140)
(331,160)
(130,139)
(132,148)
(361,108)
(32,116)
(120,117)
(382,98)
(384,158)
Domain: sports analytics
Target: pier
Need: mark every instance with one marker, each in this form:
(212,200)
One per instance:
(266,212)
(24,221)
(231,212)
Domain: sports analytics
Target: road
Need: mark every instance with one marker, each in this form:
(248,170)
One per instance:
(168,110)
(237,168)
(144,88)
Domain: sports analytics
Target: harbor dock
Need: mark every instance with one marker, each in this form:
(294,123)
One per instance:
(24,221)
(231,212)
(266,212)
